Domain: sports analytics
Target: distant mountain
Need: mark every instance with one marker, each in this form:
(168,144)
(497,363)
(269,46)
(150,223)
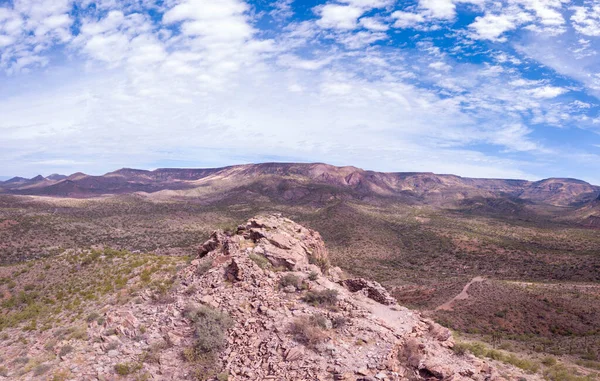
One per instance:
(56,177)
(313,183)
(16,180)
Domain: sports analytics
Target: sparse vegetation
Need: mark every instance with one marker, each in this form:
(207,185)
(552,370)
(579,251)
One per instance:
(481,350)
(205,265)
(321,298)
(560,372)
(261,261)
(290,280)
(210,326)
(65,350)
(124,369)
(41,369)
(307,331)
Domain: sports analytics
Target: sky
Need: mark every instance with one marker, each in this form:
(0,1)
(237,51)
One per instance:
(479,88)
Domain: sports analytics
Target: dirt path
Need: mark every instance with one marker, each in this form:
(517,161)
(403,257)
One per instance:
(464,295)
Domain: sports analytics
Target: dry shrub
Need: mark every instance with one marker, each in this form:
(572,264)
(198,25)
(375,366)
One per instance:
(210,328)
(290,280)
(411,353)
(320,298)
(305,331)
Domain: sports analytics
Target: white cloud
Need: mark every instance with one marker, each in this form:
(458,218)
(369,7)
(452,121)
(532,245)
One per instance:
(339,16)
(586,19)
(440,9)
(361,39)
(293,61)
(491,27)
(218,21)
(439,65)
(373,24)
(407,19)
(345,16)
(547,92)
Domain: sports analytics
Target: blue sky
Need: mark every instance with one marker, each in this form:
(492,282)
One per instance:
(503,88)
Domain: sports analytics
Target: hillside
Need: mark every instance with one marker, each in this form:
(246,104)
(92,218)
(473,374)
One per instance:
(259,304)
(422,236)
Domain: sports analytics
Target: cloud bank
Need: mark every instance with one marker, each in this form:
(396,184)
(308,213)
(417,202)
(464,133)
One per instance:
(471,87)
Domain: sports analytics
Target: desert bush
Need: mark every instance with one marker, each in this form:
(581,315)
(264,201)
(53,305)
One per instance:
(323,263)
(320,320)
(79,333)
(210,327)
(65,350)
(152,355)
(261,261)
(549,361)
(204,266)
(339,321)
(460,348)
(21,360)
(560,372)
(290,280)
(41,369)
(313,275)
(305,331)
(61,375)
(50,344)
(191,290)
(480,350)
(525,364)
(477,349)
(589,364)
(324,297)
(124,369)
(93,316)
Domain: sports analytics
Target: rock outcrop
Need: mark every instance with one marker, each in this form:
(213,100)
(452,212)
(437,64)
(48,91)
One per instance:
(291,318)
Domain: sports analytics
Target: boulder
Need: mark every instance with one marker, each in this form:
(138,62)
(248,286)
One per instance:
(370,288)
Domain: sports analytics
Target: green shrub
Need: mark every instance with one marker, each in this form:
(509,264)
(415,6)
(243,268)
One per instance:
(480,350)
(460,348)
(124,369)
(560,372)
(549,361)
(261,261)
(313,275)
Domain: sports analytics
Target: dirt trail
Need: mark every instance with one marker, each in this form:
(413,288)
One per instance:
(464,295)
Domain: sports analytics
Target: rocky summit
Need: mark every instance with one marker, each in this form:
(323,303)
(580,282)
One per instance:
(263,303)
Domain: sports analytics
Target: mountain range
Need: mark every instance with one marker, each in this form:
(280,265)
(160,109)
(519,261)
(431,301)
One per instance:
(314,183)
